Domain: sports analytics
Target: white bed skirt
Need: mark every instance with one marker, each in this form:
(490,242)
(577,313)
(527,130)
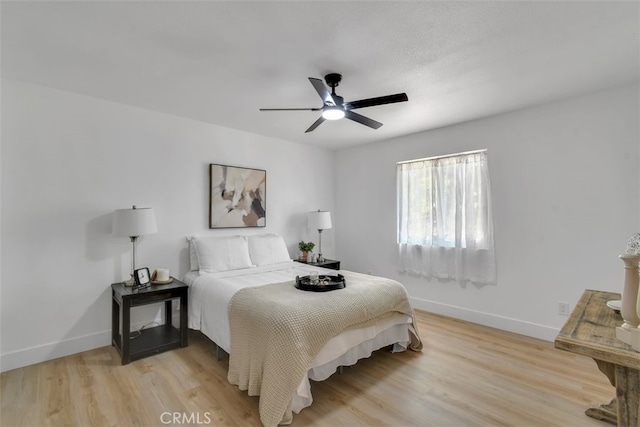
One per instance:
(326,363)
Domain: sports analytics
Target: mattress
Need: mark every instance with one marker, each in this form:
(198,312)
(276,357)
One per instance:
(209,298)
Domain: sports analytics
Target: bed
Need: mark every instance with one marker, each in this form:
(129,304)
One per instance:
(232,275)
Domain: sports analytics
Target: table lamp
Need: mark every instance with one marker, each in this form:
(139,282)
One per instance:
(320,220)
(134,222)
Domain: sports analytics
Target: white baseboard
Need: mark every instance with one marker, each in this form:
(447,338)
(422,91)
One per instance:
(42,353)
(534,330)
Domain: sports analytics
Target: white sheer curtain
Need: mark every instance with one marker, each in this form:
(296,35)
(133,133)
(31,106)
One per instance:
(445,228)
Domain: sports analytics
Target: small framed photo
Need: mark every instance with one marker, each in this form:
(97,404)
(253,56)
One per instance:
(142,278)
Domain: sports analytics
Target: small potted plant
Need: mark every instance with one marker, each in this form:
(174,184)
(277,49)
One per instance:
(305,248)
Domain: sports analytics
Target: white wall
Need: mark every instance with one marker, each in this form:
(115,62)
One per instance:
(68,161)
(565,190)
(566,199)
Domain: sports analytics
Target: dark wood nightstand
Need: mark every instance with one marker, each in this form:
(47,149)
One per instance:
(327,263)
(151,340)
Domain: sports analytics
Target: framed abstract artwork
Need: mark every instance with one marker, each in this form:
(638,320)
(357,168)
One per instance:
(237,197)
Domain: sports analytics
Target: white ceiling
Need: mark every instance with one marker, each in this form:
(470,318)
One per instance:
(219,62)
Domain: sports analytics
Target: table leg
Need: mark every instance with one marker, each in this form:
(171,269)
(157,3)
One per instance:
(126,331)
(115,322)
(184,319)
(168,315)
(607,412)
(628,394)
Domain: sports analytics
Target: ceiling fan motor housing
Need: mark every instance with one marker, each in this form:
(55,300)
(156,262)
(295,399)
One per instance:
(333,79)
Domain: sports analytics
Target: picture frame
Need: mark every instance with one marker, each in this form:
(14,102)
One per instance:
(237,196)
(142,278)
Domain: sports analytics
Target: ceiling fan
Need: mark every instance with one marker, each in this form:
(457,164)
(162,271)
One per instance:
(334,107)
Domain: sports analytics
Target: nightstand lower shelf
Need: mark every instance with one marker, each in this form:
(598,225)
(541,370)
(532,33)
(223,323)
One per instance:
(152,341)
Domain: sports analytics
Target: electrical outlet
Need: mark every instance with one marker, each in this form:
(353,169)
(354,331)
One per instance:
(563,308)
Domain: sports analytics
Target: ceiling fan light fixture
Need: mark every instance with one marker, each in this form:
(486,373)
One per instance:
(333,113)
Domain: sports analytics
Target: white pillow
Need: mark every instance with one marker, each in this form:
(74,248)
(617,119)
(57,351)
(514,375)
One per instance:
(217,254)
(267,249)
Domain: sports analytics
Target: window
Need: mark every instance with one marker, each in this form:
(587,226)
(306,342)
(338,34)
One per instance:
(445,228)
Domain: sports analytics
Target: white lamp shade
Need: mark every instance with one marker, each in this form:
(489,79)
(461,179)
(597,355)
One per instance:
(134,222)
(319,220)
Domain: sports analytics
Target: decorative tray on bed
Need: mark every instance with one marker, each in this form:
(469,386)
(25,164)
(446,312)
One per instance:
(322,284)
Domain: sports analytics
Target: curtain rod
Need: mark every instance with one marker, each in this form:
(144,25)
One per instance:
(442,157)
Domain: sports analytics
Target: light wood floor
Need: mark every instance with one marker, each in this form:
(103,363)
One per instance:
(467,375)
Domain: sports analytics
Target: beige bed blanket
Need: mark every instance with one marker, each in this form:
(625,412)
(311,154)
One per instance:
(277,330)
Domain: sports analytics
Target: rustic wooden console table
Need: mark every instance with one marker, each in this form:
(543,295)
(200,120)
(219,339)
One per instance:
(591,331)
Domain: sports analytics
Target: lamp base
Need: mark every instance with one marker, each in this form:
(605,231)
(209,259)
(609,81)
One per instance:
(130,282)
(629,336)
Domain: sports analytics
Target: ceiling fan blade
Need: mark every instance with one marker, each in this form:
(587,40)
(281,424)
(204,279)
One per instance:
(290,109)
(315,124)
(362,119)
(381,100)
(322,91)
